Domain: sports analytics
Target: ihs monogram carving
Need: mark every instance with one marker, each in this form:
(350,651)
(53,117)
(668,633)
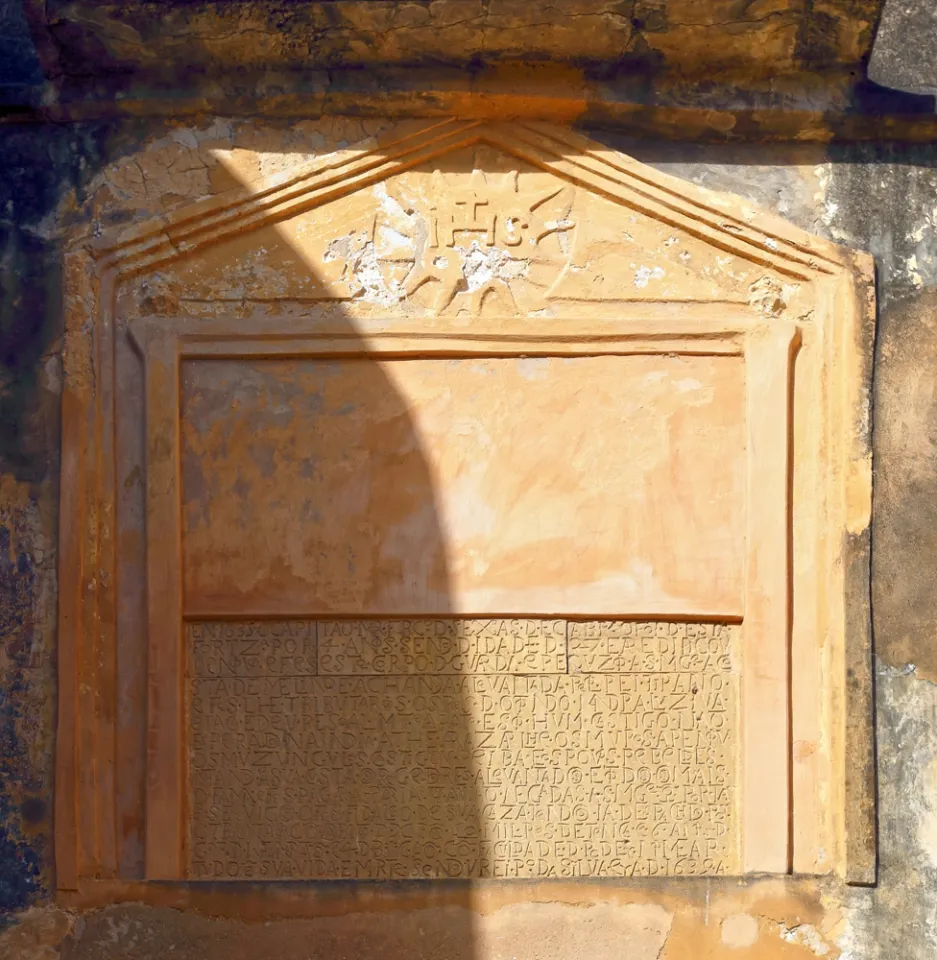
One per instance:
(486,237)
(494,209)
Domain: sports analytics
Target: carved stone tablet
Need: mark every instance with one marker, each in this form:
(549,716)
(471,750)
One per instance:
(455,505)
(462,748)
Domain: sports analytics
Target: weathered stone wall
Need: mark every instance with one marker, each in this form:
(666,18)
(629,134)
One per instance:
(881,199)
(36,163)
(875,198)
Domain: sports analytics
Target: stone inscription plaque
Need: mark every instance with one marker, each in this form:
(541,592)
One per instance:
(348,418)
(396,749)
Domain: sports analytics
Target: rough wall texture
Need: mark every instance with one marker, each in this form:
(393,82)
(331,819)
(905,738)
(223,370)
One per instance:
(30,375)
(880,199)
(763,38)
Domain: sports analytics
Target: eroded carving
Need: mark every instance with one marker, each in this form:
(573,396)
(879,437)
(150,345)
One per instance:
(442,646)
(445,769)
(253,648)
(482,233)
(608,646)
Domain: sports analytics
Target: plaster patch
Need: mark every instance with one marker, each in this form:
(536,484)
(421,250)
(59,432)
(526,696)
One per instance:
(393,241)
(598,931)
(367,272)
(366,278)
(739,931)
(480,267)
(464,509)
(533,368)
(390,205)
(805,935)
(827,208)
(643,275)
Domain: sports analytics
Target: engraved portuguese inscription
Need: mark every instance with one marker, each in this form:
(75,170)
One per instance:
(604,646)
(442,646)
(253,648)
(394,749)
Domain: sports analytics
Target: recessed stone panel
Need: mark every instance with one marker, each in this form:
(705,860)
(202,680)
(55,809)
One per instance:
(505,767)
(602,485)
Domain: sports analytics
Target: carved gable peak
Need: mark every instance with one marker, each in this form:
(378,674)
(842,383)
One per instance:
(460,217)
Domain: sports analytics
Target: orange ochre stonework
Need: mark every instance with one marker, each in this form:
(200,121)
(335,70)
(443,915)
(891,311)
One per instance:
(460,500)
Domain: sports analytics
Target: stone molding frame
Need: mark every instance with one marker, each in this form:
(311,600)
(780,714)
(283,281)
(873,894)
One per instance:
(808,682)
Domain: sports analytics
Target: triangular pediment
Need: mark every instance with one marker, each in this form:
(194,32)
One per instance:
(460,216)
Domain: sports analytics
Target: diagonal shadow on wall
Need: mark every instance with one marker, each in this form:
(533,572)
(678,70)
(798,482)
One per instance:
(306,496)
